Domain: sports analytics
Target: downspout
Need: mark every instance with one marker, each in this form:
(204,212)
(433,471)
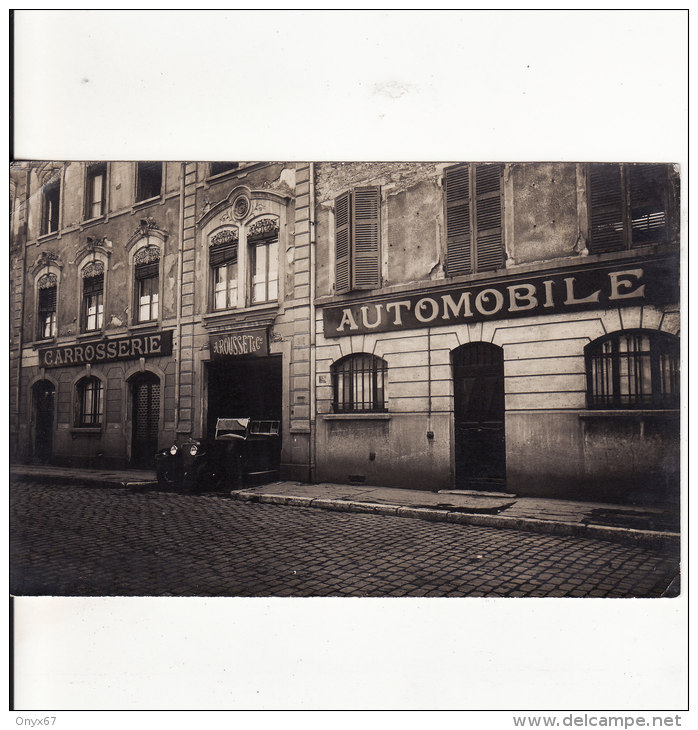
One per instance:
(24,229)
(311,339)
(180,256)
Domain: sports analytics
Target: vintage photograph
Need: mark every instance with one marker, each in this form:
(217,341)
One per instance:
(345,379)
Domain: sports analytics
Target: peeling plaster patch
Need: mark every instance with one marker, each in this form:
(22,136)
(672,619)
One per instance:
(391,89)
(288,177)
(115,321)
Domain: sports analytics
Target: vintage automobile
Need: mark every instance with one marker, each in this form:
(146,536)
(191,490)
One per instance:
(242,451)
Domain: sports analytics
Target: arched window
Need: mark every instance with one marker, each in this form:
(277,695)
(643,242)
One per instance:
(147,283)
(92,296)
(633,369)
(358,383)
(48,287)
(90,405)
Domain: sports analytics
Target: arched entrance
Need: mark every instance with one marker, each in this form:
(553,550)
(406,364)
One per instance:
(478,409)
(44,394)
(145,417)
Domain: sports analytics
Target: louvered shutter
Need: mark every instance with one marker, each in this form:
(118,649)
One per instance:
(606,209)
(93,284)
(647,205)
(489,250)
(458,229)
(47,299)
(342,237)
(365,263)
(146,271)
(223,253)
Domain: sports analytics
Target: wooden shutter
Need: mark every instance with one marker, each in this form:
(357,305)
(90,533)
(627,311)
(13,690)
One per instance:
(223,253)
(606,203)
(489,251)
(47,299)
(342,237)
(648,219)
(365,263)
(458,229)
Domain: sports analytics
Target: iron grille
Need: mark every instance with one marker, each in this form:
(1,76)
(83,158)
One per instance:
(359,384)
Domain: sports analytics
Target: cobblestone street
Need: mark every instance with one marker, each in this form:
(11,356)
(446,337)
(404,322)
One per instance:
(87,541)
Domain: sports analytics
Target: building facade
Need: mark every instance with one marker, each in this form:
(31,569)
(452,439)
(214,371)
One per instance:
(473,325)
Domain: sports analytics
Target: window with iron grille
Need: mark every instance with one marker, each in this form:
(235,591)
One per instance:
(95,190)
(147,283)
(358,384)
(93,296)
(633,369)
(90,395)
(223,260)
(263,242)
(50,214)
(630,205)
(357,239)
(149,180)
(474,234)
(47,305)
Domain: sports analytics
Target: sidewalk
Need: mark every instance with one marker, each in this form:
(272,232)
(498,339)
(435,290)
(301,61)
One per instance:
(619,523)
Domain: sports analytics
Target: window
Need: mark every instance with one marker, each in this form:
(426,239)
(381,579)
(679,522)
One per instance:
(51,197)
(93,296)
(635,369)
(628,205)
(47,305)
(474,240)
(263,241)
(358,383)
(218,168)
(90,393)
(223,259)
(149,182)
(357,239)
(95,190)
(147,283)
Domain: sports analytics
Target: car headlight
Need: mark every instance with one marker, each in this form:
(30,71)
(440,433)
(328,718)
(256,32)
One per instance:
(193,449)
(173,449)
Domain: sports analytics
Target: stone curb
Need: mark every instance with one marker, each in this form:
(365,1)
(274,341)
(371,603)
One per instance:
(89,481)
(559,528)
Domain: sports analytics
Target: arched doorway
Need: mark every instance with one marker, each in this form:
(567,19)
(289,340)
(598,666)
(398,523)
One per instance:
(44,394)
(145,417)
(478,409)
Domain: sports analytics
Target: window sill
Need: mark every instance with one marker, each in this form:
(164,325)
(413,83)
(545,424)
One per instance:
(628,413)
(88,222)
(153,324)
(91,335)
(222,175)
(43,341)
(246,314)
(47,236)
(140,204)
(86,430)
(356,416)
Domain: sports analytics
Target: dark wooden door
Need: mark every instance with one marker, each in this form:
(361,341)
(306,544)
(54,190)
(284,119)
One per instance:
(145,414)
(44,395)
(478,385)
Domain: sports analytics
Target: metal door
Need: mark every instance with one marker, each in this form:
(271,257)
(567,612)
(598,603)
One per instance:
(44,394)
(478,388)
(145,415)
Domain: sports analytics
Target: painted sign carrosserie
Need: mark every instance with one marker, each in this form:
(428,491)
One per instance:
(647,281)
(107,350)
(248,342)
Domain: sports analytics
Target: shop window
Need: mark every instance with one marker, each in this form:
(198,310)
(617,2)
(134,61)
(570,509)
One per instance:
(223,260)
(218,168)
(93,296)
(629,205)
(147,283)
(51,198)
(474,238)
(263,242)
(358,384)
(635,369)
(357,239)
(149,180)
(48,287)
(90,395)
(95,190)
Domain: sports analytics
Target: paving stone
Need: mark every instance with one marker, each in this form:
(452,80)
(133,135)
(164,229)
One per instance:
(67,539)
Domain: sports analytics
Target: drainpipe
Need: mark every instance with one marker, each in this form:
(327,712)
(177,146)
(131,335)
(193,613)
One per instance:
(22,233)
(311,339)
(180,255)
